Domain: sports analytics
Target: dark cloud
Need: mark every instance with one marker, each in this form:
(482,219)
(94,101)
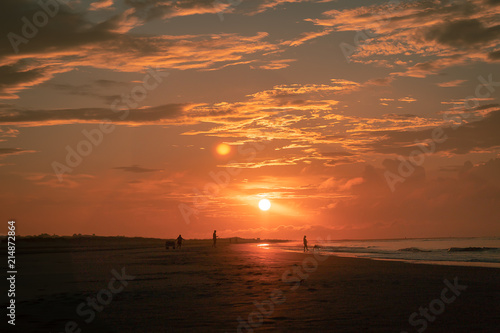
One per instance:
(340,161)
(153,9)
(463,33)
(38,117)
(386,81)
(487,106)
(136,169)
(481,134)
(337,154)
(399,116)
(65,30)
(13,151)
(493,2)
(13,77)
(494,56)
(72,38)
(93,89)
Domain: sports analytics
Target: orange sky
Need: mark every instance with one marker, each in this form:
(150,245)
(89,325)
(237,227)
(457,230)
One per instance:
(159,118)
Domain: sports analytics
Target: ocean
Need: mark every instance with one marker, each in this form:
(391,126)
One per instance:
(474,251)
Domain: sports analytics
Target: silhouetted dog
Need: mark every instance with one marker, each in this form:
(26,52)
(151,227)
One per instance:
(169,244)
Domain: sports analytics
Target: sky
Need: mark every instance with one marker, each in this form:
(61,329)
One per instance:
(355,119)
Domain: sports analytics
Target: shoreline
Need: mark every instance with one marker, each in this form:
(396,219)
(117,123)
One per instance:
(61,244)
(296,247)
(416,262)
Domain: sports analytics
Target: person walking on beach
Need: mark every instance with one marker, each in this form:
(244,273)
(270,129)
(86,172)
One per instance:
(305,244)
(179,241)
(215,238)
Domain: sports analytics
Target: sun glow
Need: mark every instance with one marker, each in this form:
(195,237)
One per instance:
(223,149)
(264,204)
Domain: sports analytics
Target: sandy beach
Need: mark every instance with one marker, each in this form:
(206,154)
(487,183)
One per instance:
(134,285)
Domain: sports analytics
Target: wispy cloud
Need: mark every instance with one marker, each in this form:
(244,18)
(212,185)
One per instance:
(136,169)
(14,151)
(307,36)
(448,84)
(451,34)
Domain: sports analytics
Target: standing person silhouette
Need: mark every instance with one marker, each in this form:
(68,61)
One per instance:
(215,238)
(305,244)
(179,241)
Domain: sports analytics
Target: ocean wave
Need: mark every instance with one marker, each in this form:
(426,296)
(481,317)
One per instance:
(346,249)
(413,249)
(472,249)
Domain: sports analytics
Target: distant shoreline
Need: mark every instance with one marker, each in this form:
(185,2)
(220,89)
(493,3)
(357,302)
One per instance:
(46,236)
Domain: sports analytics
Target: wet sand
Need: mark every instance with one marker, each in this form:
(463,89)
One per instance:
(138,286)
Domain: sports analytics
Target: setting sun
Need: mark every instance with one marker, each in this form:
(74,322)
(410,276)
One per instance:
(264,204)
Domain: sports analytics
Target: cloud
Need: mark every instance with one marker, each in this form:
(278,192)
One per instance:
(426,68)
(148,10)
(136,169)
(72,40)
(452,33)
(8,133)
(14,151)
(470,136)
(93,89)
(21,75)
(101,4)
(51,179)
(128,53)
(463,33)
(494,55)
(297,90)
(307,36)
(277,64)
(337,154)
(298,97)
(341,185)
(382,82)
(91,115)
(272,4)
(454,83)
(407,99)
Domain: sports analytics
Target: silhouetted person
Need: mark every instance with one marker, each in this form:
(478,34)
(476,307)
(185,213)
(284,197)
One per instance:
(305,244)
(215,237)
(179,241)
